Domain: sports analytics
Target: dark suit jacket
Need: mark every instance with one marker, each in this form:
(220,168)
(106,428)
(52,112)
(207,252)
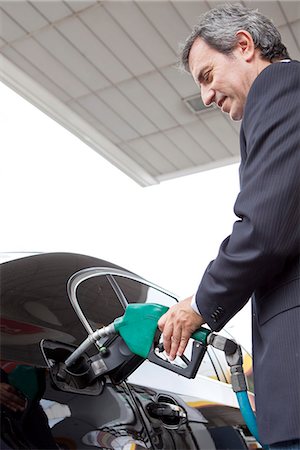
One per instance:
(261,257)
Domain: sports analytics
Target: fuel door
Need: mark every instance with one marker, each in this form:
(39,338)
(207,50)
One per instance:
(167,411)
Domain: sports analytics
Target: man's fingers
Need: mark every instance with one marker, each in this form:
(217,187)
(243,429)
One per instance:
(182,345)
(177,326)
(172,331)
(178,346)
(175,341)
(162,321)
(167,330)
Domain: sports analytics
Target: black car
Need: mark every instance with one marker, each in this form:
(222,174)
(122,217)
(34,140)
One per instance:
(49,304)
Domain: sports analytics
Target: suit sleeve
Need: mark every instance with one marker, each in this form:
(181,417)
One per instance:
(266,234)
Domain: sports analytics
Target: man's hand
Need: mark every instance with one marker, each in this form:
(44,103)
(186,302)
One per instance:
(10,398)
(177,326)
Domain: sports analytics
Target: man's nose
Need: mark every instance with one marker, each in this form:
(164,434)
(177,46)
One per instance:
(207,95)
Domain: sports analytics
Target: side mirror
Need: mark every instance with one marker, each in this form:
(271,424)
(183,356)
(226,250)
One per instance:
(172,416)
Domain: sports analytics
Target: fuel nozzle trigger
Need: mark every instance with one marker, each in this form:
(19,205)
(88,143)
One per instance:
(182,365)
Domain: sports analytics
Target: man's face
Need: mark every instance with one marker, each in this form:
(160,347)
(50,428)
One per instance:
(223,79)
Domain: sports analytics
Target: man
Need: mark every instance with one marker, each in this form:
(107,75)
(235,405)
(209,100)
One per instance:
(236,57)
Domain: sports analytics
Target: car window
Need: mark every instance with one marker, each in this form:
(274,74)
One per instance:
(137,292)
(98,301)
(220,364)
(208,367)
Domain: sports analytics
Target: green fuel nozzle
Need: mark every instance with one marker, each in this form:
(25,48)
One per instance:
(138,327)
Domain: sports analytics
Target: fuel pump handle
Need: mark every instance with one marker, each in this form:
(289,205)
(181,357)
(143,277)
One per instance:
(138,327)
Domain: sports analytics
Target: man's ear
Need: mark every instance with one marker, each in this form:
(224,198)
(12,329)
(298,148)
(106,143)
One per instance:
(245,45)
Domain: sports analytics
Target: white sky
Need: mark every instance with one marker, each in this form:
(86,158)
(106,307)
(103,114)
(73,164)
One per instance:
(60,195)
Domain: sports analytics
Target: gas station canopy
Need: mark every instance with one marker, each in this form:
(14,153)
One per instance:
(106,71)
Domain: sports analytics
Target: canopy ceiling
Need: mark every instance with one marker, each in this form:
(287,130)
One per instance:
(106,71)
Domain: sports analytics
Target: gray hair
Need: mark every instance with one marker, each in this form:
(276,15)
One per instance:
(218,28)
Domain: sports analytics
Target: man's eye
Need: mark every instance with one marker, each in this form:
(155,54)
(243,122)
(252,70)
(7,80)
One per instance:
(206,76)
